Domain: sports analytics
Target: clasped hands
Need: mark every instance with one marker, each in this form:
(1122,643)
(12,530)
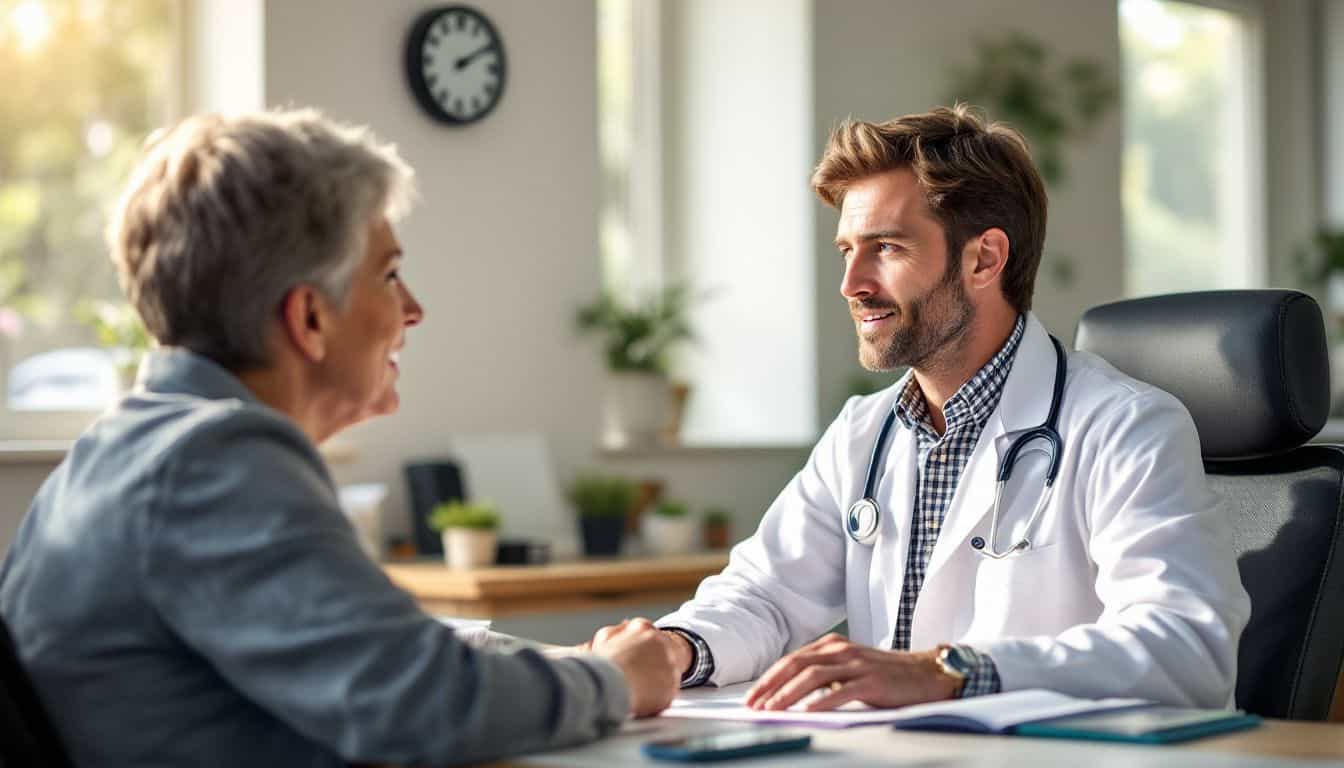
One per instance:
(834,668)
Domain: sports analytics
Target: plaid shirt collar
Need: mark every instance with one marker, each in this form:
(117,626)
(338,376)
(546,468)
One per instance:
(972,403)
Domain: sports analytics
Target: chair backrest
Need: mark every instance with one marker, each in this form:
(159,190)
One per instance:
(1252,368)
(27,736)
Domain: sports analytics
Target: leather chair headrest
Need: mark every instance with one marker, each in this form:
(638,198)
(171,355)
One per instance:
(1251,366)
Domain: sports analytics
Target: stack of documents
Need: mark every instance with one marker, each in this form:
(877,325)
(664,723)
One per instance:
(1031,712)
(984,714)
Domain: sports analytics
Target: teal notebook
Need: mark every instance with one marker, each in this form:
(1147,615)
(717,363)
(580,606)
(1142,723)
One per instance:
(1144,725)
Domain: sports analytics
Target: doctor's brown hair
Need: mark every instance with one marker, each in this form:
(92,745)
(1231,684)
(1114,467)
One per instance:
(975,176)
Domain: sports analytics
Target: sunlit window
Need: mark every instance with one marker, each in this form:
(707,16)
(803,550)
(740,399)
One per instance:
(1192,152)
(85,81)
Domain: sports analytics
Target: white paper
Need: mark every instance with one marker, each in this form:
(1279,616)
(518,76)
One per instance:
(996,712)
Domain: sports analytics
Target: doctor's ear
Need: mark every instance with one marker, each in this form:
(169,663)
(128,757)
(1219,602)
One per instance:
(304,318)
(984,258)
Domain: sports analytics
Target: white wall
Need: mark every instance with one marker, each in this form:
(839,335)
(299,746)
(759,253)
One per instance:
(876,59)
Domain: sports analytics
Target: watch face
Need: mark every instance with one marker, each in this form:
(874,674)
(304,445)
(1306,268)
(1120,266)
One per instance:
(455,64)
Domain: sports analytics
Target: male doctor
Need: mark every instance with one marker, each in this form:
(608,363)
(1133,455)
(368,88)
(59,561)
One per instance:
(1124,584)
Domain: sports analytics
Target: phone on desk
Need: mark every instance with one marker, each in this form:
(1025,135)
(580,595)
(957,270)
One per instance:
(728,745)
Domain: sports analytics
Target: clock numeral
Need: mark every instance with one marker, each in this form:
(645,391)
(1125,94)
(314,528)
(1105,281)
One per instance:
(431,79)
(475,104)
(461,21)
(457,105)
(441,96)
(443,25)
(493,68)
(429,60)
(489,89)
(475,28)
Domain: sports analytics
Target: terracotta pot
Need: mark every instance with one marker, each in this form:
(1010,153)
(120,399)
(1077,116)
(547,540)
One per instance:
(716,535)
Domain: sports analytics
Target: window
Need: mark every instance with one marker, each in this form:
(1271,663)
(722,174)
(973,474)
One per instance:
(1193,152)
(85,82)
(706,143)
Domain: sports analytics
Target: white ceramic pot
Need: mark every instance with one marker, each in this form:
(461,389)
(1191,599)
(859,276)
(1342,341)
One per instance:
(634,409)
(669,535)
(468,547)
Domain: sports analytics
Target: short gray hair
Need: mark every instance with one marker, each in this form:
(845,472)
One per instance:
(225,215)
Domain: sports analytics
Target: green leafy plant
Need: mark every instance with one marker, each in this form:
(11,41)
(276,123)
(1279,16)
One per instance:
(1016,79)
(638,338)
(477,516)
(596,495)
(116,324)
(717,516)
(672,509)
(1323,257)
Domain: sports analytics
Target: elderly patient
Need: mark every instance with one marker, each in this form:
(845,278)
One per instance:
(185,589)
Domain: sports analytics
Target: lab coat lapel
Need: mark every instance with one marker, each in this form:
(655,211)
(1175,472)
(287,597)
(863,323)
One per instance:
(887,574)
(1025,403)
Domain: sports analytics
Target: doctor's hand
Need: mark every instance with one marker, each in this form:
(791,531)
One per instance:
(646,659)
(845,671)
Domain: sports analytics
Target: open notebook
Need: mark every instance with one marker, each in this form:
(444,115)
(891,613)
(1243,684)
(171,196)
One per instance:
(998,713)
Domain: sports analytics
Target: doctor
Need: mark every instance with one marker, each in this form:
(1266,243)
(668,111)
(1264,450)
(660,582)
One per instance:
(1114,579)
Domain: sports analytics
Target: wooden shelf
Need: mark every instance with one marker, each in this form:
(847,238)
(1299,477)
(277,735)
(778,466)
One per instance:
(490,593)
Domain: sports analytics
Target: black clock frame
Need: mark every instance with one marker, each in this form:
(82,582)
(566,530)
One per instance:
(415,43)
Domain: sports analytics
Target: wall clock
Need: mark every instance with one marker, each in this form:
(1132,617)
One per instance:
(455,64)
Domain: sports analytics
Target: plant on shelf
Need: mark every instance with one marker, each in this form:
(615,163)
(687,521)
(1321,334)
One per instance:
(717,522)
(637,339)
(1320,270)
(469,531)
(117,327)
(601,502)
(670,530)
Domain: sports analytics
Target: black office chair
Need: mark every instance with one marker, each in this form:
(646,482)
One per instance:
(27,736)
(1252,368)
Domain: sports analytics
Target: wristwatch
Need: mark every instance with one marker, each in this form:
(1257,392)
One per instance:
(955,665)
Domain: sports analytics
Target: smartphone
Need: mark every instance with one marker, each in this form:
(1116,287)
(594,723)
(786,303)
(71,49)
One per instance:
(727,745)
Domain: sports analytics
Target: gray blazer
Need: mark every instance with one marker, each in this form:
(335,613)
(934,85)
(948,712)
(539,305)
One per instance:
(186,591)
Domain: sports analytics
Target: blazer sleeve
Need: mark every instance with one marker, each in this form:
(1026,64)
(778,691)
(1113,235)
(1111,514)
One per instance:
(1173,604)
(249,561)
(783,586)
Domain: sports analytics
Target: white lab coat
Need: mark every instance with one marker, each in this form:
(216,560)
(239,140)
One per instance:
(1130,587)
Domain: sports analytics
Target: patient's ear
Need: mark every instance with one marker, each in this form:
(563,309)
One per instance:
(304,316)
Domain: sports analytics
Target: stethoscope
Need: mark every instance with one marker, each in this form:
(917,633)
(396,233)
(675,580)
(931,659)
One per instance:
(864,515)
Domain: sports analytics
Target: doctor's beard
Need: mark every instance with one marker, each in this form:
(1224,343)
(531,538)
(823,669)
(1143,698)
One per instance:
(929,327)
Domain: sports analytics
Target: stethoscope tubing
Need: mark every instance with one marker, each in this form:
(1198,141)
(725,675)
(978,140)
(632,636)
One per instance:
(863,518)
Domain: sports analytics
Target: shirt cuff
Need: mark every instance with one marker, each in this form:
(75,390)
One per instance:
(702,661)
(984,675)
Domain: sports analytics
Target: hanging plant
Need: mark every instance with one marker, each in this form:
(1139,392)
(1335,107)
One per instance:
(1017,80)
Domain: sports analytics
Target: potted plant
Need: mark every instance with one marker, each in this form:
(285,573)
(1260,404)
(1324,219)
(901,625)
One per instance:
(469,531)
(601,502)
(717,523)
(636,341)
(670,530)
(118,328)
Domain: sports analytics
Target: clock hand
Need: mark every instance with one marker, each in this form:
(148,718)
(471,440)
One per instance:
(465,60)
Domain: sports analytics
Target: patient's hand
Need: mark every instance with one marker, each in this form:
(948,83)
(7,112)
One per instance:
(645,656)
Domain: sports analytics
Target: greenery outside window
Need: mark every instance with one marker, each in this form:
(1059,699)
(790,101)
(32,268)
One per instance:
(85,83)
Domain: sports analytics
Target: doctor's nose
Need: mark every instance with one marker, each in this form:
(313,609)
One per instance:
(857,282)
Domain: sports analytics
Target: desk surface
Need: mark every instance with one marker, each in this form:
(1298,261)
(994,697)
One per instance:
(1276,743)
(499,591)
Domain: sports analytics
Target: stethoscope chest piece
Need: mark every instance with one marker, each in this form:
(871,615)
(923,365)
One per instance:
(861,521)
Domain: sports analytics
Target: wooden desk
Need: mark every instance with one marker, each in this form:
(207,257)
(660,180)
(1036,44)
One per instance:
(492,593)
(1276,743)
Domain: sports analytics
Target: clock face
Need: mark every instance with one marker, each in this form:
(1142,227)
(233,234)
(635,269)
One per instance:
(455,64)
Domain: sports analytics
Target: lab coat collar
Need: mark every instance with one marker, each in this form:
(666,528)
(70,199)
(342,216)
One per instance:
(1025,404)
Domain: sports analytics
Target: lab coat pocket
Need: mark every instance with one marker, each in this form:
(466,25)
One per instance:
(1014,594)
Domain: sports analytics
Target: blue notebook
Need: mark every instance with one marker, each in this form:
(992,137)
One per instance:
(1144,725)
